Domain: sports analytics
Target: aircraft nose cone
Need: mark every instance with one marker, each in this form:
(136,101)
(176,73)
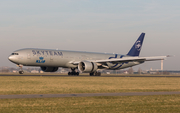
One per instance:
(11,58)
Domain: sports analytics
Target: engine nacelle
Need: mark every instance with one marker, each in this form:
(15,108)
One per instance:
(87,67)
(49,69)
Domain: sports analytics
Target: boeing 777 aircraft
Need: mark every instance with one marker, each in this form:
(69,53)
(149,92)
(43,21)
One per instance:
(85,62)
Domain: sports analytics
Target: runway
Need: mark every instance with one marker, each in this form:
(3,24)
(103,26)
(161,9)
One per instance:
(86,95)
(44,75)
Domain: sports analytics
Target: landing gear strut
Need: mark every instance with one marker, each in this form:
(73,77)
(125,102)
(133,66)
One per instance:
(95,74)
(21,70)
(73,73)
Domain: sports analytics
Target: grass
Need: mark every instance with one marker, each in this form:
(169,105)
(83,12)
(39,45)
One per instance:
(124,104)
(61,85)
(55,85)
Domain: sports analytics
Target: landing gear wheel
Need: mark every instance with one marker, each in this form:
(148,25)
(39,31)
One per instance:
(73,73)
(91,74)
(21,72)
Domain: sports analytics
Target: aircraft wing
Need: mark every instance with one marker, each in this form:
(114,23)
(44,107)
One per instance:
(130,59)
(125,59)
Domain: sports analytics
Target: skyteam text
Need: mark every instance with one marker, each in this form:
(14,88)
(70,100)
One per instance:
(52,53)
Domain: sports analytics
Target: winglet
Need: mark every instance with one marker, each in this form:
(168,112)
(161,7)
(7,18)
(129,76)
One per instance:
(136,48)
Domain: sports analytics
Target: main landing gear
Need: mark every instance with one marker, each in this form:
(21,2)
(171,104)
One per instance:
(95,74)
(21,70)
(73,73)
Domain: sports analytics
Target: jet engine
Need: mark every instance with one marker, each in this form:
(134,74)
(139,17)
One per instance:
(49,69)
(87,67)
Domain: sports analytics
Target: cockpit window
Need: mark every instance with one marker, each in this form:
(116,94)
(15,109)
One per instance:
(14,54)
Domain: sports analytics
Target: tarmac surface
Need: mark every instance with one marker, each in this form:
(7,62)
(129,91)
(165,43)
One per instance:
(86,95)
(92,76)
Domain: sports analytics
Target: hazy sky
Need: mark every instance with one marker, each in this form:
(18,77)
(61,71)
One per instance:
(92,25)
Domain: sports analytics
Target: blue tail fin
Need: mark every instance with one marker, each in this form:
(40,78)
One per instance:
(136,48)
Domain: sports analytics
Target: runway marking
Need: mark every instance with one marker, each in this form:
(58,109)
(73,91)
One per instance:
(87,95)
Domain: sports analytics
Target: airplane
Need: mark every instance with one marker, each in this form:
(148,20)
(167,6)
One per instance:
(86,62)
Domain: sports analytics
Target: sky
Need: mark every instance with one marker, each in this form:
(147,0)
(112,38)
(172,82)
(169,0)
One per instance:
(110,26)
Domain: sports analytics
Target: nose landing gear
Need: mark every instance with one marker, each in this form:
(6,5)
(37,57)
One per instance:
(21,70)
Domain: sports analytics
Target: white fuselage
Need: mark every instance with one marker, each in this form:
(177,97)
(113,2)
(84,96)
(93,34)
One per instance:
(62,58)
